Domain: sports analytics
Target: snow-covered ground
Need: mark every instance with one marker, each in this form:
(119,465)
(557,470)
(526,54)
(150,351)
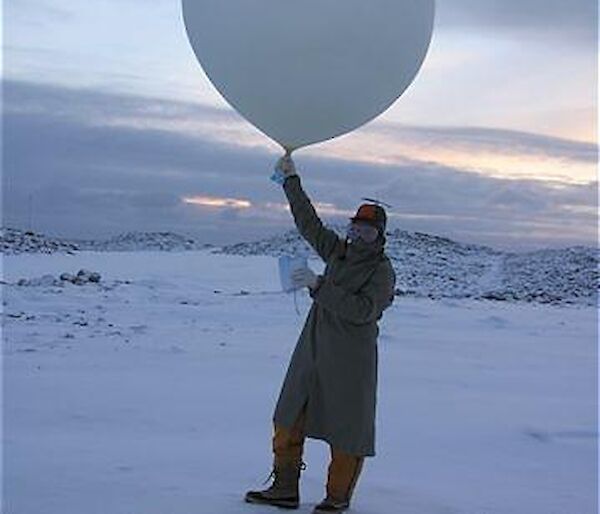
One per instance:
(151,392)
(426,265)
(437,267)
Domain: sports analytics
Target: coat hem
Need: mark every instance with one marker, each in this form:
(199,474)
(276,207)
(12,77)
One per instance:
(323,437)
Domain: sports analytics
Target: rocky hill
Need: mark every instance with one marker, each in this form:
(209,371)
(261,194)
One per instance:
(426,265)
(436,267)
(139,241)
(13,241)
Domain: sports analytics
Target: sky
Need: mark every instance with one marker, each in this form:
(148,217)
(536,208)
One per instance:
(110,125)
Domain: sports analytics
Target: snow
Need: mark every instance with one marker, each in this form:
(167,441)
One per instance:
(426,265)
(14,241)
(132,241)
(151,391)
(436,267)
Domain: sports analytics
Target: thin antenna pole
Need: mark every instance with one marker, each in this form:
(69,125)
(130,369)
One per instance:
(30,213)
(378,202)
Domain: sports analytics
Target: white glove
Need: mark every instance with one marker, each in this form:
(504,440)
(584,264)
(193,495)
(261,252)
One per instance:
(304,277)
(284,168)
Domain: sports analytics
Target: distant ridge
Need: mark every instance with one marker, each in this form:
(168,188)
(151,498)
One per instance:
(437,267)
(14,241)
(140,241)
(426,265)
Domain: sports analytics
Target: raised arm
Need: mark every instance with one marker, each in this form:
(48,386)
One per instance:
(322,239)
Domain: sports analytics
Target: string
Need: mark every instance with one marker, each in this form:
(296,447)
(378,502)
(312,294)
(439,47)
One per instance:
(296,303)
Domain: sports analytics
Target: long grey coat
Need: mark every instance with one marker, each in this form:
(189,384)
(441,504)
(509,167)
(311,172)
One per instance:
(334,364)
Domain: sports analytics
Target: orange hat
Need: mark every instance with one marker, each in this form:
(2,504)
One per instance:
(373,214)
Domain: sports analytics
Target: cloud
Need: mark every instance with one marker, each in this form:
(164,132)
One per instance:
(495,152)
(87,176)
(526,65)
(573,20)
(36,12)
(485,151)
(497,140)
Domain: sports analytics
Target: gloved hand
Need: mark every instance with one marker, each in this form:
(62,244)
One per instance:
(304,277)
(284,168)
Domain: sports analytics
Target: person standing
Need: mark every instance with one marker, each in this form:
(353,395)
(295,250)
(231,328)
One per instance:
(330,388)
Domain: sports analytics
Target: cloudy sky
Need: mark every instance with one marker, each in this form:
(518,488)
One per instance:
(110,125)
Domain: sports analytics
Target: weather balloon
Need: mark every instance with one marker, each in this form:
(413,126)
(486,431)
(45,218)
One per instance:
(305,71)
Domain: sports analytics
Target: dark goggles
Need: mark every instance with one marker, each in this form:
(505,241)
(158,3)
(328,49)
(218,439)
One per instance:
(360,229)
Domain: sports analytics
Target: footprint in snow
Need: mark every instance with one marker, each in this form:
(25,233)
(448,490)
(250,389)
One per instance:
(546,436)
(495,321)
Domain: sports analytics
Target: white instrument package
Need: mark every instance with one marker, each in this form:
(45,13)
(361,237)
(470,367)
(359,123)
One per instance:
(288,264)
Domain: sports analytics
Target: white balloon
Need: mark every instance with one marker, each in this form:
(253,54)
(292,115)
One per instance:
(305,71)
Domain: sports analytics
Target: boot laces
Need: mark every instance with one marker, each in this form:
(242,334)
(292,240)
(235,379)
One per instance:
(275,472)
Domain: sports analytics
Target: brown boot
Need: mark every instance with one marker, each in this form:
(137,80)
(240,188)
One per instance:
(283,492)
(342,476)
(329,505)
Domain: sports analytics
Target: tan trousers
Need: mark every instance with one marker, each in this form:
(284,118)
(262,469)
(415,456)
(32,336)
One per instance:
(344,469)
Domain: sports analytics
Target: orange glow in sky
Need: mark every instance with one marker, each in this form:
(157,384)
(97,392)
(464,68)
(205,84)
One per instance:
(505,162)
(211,201)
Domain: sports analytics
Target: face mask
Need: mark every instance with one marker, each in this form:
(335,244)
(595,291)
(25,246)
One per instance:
(363,231)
